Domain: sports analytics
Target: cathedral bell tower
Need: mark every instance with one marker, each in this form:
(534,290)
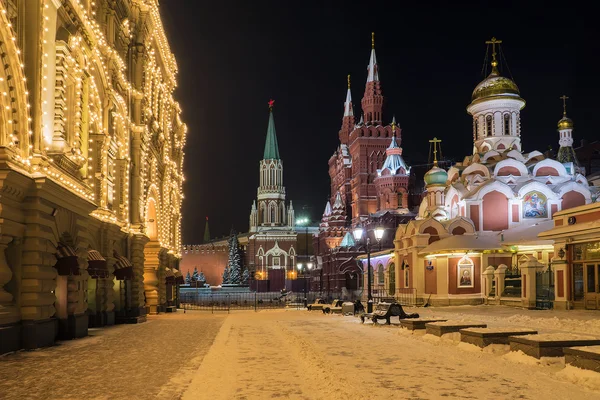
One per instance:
(269,210)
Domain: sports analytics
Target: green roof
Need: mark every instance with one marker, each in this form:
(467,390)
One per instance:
(271,148)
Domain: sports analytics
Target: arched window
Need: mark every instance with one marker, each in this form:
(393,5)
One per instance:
(392,279)
(273,214)
(475,128)
(464,273)
(506,124)
(488,125)
(380,275)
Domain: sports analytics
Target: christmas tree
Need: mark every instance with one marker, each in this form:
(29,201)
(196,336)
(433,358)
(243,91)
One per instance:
(226,275)
(201,277)
(195,275)
(188,278)
(235,260)
(245,277)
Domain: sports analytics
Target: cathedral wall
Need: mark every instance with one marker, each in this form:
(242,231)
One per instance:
(572,199)
(208,259)
(453,281)
(495,211)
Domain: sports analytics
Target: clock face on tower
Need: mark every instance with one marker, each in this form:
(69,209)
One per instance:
(572,220)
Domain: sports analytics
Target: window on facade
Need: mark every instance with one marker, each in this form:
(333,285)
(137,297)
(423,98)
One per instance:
(380,275)
(276,261)
(488,125)
(506,124)
(406,278)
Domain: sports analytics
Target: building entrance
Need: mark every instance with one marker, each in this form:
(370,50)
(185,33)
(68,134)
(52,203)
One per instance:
(591,283)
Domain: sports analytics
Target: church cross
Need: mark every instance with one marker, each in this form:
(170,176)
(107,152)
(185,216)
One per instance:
(494,42)
(435,142)
(564,99)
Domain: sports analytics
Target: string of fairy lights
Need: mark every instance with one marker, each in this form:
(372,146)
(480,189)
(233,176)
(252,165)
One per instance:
(86,116)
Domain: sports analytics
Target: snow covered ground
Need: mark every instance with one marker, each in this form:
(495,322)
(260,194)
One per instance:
(299,355)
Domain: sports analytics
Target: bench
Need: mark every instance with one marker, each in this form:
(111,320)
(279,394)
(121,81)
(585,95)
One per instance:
(335,307)
(387,311)
(317,305)
(443,327)
(418,323)
(587,357)
(485,336)
(549,344)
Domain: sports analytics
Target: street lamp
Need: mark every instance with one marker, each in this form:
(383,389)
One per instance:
(302,269)
(304,222)
(358,235)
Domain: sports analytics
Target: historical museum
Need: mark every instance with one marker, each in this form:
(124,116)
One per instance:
(91,153)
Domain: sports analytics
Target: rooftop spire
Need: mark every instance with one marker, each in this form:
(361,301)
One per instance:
(494,42)
(373,74)
(271,147)
(348,111)
(206,232)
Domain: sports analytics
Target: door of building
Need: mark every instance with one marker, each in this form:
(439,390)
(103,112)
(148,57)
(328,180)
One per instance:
(591,276)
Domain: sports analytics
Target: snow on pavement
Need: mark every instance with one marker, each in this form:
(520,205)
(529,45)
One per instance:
(296,354)
(302,355)
(152,360)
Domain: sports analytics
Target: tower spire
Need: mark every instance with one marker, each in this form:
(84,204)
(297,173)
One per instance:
(271,147)
(372,101)
(206,232)
(348,111)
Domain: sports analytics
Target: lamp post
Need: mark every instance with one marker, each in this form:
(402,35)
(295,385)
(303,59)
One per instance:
(358,235)
(304,222)
(302,269)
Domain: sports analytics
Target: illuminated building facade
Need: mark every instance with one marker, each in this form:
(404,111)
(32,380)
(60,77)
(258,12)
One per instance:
(91,153)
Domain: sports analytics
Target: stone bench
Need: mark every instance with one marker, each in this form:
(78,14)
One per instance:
(419,323)
(441,328)
(549,344)
(485,336)
(587,357)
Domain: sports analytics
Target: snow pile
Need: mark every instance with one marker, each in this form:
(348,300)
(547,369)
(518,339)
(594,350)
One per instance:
(469,347)
(590,326)
(498,349)
(521,358)
(582,377)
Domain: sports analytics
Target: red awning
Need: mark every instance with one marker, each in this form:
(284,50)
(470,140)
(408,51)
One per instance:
(66,260)
(123,267)
(97,267)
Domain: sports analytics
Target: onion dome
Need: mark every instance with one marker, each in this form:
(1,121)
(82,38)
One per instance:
(436,176)
(495,85)
(565,123)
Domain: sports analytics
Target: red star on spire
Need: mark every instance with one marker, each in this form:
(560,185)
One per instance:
(271,104)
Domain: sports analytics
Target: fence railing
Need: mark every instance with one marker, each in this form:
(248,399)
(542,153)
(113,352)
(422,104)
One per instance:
(405,296)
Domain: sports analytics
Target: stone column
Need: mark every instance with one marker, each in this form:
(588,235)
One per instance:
(499,275)
(9,313)
(38,283)
(528,276)
(151,265)
(138,242)
(488,276)
(560,271)
(107,285)
(162,286)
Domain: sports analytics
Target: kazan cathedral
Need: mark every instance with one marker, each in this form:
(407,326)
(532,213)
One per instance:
(475,238)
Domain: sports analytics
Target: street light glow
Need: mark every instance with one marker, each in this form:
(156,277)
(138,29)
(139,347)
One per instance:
(379,231)
(299,266)
(357,233)
(302,221)
(309,265)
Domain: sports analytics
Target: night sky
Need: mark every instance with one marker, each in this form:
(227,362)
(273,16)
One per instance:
(234,56)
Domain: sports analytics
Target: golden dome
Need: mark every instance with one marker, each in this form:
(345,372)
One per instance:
(565,123)
(495,85)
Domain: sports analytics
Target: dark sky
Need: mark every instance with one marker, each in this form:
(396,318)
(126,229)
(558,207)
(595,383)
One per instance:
(233,56)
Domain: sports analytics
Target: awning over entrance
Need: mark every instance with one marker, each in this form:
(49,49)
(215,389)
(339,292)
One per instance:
(169,275)
(66,260)
(463,243)
(97,267)
(123,267)
(178,277)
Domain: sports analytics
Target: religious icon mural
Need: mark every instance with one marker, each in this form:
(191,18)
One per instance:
(465,270)
(535,205)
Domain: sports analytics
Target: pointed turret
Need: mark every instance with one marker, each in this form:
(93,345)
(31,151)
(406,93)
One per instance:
(372,101)
(325,218)
(394,163)
(348,119)
(206,232)
(348,240)
(271,147)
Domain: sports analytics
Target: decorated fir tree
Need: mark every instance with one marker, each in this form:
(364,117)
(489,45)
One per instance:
(188,278)
(201,277)
(245,277)
(226,275)
(235,260)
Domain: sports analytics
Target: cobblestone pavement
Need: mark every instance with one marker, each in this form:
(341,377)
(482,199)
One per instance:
(152,360)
